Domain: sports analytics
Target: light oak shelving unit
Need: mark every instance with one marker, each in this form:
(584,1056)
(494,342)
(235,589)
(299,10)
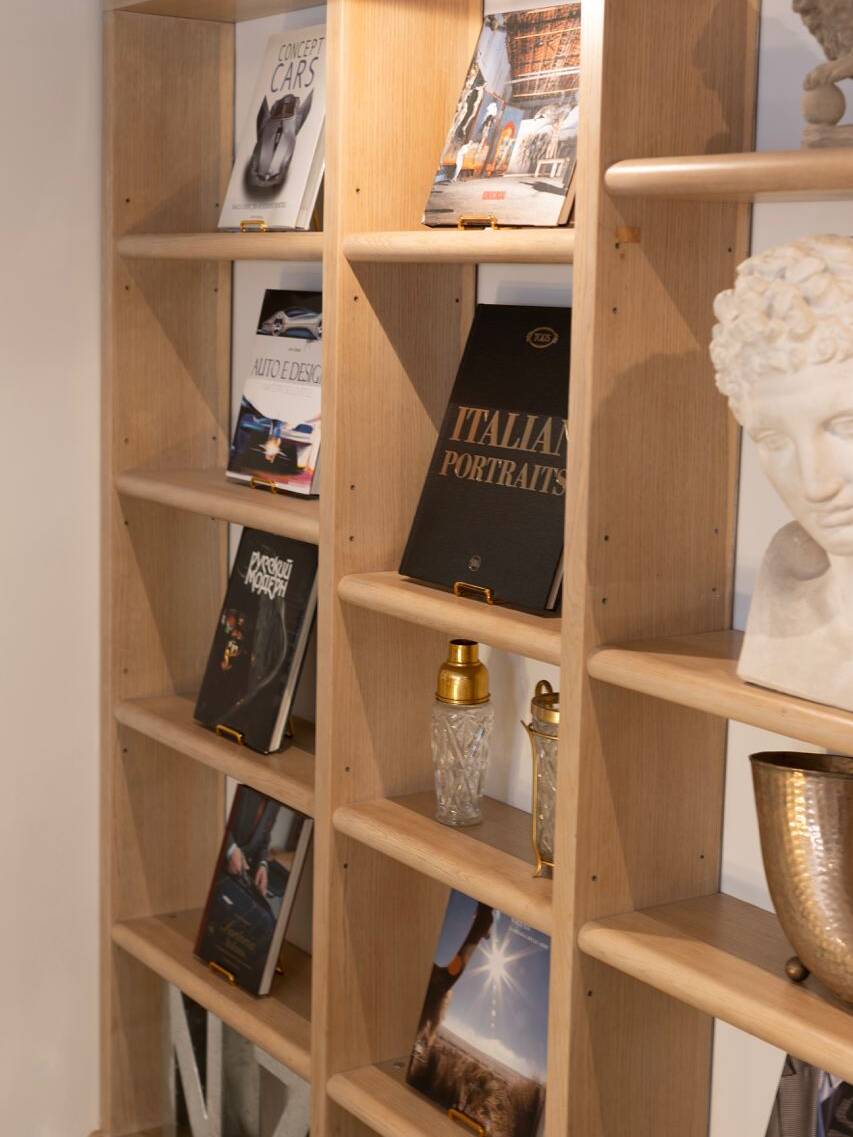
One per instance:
(223,246)
(644,949)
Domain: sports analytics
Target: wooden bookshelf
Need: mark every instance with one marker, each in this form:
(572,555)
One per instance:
(287,776)
(650,518)
(222,246)
(727,958)
(537,637)
(767,175)
(452,246)
(379,1097)
(700,672)
(280,1024)
(231,11)
(492,861)
(209,493)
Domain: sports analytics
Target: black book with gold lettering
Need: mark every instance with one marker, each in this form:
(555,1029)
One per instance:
(491,511)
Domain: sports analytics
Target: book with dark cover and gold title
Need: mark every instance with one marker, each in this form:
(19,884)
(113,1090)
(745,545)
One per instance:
(491,511)
(260,640)
(251,899)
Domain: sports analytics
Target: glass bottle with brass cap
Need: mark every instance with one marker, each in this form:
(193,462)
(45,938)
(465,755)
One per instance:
(543,731)
(462,720)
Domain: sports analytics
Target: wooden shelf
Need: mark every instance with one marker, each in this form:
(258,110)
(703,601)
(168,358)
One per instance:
(699,672)
(379,1097)
(288,777)
(769,175)
(471,246)
(492,861)
(537,637)
(279,1023)
(231,11)
(727,959)
(223,246)
(209,492)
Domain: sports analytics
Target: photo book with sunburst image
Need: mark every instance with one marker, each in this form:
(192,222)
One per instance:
(481,1047)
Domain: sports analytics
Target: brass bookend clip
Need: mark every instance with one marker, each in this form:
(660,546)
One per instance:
(469,1122)
(232,735)
(475,221)
(267,484)
(253,225)
(461,587)
(219,970)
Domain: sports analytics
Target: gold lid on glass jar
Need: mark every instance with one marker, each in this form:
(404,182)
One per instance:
(462,679)
(545,704)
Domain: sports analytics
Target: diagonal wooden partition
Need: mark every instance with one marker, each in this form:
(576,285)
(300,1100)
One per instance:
(649,539)
(165,400)
(395,335)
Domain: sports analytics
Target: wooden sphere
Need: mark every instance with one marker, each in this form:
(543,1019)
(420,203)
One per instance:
(824,106)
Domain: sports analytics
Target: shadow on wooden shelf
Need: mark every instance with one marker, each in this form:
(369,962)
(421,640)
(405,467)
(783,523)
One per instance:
(279,1023)
(470,246)
(208,492)
(287,776)
(271,246)
(727,958)
(769,175)
(700,672)
(537,637)
(379,1097)
(230,11)
(492,861)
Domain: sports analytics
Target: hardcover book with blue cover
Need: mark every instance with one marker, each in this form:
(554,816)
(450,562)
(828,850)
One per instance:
(260,640)
(277,437)
(254,886)
(481,1047)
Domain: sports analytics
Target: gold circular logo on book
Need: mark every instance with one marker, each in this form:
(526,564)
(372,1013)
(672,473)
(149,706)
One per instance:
(542,337)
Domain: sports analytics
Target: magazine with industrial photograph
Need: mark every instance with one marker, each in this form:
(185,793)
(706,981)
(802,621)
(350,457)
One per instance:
(280,156)
(481,1048)
(277,437)
(260,641)
(511,150)
(251,899)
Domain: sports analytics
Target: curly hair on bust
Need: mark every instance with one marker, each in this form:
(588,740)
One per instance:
(791,308)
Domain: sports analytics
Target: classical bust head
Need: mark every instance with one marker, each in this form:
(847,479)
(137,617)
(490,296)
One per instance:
(783,355)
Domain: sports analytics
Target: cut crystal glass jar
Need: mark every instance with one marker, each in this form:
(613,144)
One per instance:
(543,731)
(462,721)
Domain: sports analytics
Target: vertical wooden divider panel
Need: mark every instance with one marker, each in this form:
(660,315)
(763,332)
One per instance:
(167,152)
(652,469)
(394,335)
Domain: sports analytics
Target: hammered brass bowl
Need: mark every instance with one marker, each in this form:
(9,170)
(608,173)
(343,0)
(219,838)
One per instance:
(805,818)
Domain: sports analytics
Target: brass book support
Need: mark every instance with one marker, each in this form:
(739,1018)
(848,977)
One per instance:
(463,1119)
(267,484)
(217,969)
(230,733)
(478,221)
(254,225)
(479,591)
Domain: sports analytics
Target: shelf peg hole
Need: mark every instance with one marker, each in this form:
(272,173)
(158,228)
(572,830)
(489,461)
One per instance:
(594,876)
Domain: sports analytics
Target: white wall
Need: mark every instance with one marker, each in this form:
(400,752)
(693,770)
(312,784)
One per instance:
(49,375)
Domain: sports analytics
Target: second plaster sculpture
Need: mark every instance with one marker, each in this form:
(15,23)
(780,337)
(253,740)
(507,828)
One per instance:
(831,23)
(783,354)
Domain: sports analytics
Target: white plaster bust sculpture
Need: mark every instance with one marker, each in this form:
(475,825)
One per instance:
(783,355)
